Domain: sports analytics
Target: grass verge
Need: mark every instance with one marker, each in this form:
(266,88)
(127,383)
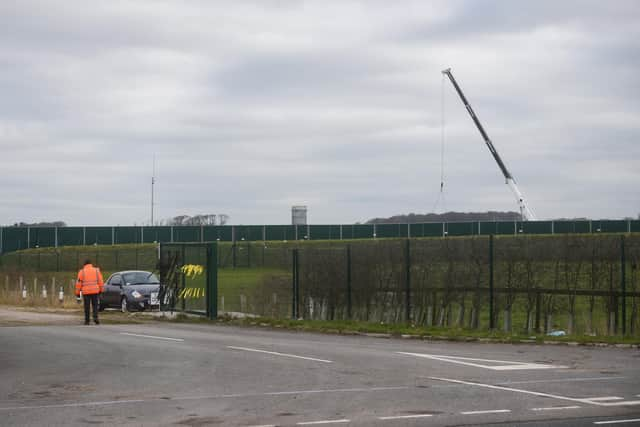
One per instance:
(409,331)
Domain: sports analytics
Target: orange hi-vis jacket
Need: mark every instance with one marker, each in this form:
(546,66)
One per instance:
(89,281)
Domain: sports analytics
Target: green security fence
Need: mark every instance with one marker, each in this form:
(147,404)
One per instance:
(578,283)
(17,238)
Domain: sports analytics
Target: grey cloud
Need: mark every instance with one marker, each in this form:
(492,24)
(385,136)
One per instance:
(252,107)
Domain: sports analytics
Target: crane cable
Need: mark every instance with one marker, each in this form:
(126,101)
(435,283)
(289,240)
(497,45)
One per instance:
(442,139)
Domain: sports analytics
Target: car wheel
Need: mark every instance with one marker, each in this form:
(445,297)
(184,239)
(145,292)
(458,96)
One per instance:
(101,305)
(124,306)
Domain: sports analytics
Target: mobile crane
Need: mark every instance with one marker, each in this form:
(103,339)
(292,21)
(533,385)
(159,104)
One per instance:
(525,212)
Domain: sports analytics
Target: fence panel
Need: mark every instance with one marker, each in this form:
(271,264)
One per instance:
(260,283)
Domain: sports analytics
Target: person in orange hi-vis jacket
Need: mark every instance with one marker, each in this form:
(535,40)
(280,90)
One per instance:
(90,284)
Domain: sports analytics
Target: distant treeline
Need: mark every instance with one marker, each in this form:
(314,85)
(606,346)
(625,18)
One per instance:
(413,218)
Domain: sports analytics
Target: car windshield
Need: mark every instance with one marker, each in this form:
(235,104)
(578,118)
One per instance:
(140,278)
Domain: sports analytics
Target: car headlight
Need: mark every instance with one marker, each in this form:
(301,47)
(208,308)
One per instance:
(136,294)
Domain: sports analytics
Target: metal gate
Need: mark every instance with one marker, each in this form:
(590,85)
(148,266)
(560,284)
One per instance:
(189,278)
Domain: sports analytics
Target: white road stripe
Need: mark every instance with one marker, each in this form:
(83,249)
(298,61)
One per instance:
(279,354)
(73,405)
(151,336)
(635,420)
(622,403)
(339,390)
(604,398)
(534,393)
(562,380)
(491,411)
(556,408)
(206,397)
(406,417)
(467,361)
(310,423)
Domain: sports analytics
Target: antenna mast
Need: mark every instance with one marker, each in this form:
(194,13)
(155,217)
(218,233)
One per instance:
(153,181)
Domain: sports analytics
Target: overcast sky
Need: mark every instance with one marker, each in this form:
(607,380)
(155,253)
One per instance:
(252,107)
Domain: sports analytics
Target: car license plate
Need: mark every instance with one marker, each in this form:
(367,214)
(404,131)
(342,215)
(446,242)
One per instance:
(154,298)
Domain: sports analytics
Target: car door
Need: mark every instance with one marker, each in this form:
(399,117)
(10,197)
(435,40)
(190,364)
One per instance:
(112,290)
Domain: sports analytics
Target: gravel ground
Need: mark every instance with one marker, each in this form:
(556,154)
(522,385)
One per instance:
(21,316)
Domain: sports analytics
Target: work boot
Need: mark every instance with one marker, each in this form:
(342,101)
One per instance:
(86,322)
(97,322)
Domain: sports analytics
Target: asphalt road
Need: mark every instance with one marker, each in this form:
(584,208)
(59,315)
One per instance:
(196,375)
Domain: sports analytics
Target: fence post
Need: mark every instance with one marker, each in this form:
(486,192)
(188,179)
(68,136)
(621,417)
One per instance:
(294,302)
(407,259)
(538,310)
(623,285)
(491,316)
(212,281)
(233,255)
(349,282)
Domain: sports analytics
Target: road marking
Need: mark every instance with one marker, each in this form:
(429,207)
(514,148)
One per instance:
(339,390)
(151,336)
(561,380)
(491,411)
(517,390)
(623,403)
(216,396)
(605,398)
(310,423)
(469,361)
(73,405)
(275,353)
(556,408)
(406,417)
(635,420)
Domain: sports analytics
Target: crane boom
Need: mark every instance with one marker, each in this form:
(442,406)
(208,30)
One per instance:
(525,212)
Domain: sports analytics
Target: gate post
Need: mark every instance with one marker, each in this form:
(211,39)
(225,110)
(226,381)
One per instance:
(212,281)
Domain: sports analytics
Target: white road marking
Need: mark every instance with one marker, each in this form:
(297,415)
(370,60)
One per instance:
(605,398)
(151,336)
(536,393)
(280,393)
(468,361)
(562,380)
(73,405)
(635,420)
(556,408)
(406,417)
(279,354)
(491,411)
(310,423)
(623,403)
(206,397)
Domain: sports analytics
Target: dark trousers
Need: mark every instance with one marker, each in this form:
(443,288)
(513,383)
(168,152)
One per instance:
(93,300)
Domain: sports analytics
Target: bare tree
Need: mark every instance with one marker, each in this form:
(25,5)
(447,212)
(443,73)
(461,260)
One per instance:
(196,220)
